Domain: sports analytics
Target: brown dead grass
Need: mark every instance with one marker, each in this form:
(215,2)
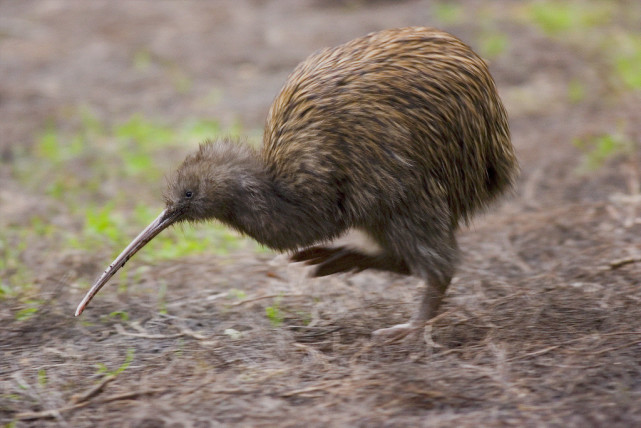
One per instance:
(541,327)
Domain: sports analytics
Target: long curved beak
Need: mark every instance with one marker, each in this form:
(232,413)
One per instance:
(165,219)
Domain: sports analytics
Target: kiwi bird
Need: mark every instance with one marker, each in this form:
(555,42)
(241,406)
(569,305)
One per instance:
(399,134)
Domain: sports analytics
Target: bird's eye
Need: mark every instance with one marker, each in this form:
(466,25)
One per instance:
(188,194)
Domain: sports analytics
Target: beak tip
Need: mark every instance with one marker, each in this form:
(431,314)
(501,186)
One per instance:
(80,309)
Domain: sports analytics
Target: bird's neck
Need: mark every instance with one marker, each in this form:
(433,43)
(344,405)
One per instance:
(272,215)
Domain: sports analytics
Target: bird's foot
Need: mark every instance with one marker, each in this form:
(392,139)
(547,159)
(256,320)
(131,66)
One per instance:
(398,332)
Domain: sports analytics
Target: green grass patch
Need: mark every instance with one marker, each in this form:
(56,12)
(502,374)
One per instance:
(5,290)
(162,297)
(103,369)
(576,91)
(142,60)
(236,294)
(102,222)
(627,58)
(447,12)
(598,150)
(492,44)
(14,275)
(556,17)
(121,315)
(42,378)
(25,314)
(607,32)
(201,130)
(31,309)
(274,313)
(144,132)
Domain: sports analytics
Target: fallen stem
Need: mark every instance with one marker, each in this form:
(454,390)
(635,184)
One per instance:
(269,296)
(54,413)
(93,391)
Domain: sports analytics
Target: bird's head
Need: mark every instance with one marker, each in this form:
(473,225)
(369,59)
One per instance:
(205,186)
(209,181)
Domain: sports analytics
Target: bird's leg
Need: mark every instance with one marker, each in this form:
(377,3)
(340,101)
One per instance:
(432,298)
(435,289)
(329,260)
(431,251)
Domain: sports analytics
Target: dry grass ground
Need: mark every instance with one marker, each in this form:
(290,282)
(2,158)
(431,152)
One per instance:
(542,324)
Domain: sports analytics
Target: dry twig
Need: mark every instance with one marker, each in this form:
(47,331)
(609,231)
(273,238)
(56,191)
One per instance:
(269,296)
(615,264)
(55,413)
(93,391)
(323,387)
(143,334)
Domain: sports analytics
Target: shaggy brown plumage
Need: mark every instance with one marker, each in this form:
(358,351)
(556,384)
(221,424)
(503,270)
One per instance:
(400,134)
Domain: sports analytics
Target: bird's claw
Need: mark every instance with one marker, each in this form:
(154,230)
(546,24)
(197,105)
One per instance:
(398,332)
